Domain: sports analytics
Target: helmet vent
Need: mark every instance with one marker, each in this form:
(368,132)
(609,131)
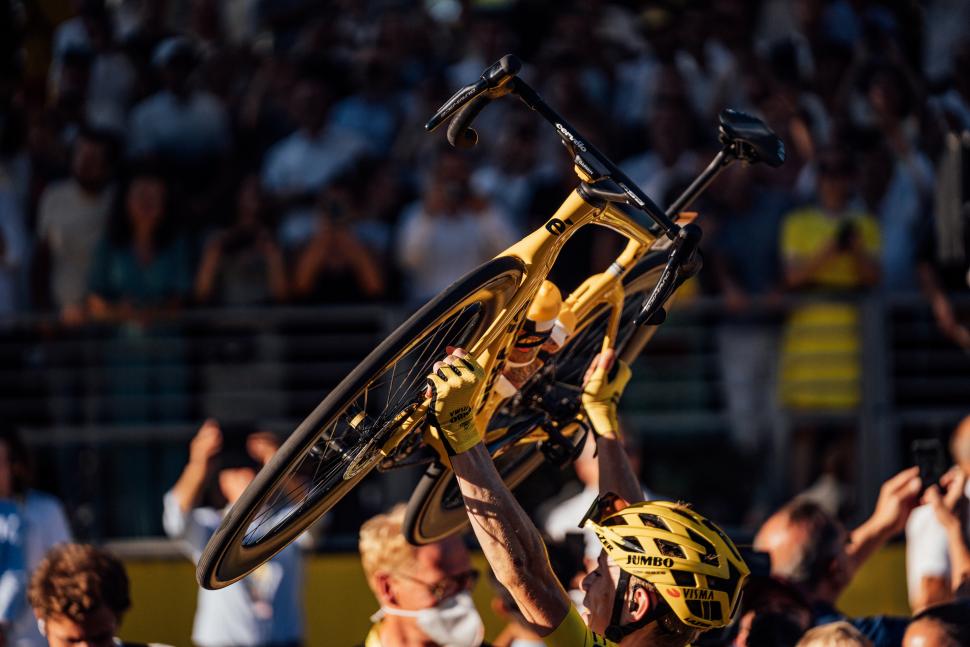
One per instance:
(727,584)
(634,544)
(710,554)
(653,521)
(683,578)
(670,549)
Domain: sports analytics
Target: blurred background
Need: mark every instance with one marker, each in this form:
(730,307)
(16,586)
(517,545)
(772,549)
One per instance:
(214,209)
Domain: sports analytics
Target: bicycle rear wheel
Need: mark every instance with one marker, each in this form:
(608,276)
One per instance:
(341,441)
(436,509)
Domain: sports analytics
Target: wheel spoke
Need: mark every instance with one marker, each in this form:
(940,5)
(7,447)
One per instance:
(342,442)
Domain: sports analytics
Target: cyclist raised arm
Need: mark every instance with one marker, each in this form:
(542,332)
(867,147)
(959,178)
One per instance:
(665,574)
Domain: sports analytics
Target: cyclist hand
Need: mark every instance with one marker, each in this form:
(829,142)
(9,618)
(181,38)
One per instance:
(601,393)
(453,385)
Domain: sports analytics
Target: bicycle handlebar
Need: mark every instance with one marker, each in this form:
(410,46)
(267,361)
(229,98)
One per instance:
(744,138)
(471,99)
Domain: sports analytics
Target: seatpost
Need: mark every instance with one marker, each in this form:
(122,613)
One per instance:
(720,162)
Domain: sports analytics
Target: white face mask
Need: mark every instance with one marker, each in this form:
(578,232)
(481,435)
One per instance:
(453,623)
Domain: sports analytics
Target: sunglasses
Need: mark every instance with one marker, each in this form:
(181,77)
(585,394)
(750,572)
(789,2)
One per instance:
(604,507)
(447,586)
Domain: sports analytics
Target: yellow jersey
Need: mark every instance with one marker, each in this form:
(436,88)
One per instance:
(573,632)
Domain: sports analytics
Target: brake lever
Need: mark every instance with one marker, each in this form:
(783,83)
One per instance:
(683,262)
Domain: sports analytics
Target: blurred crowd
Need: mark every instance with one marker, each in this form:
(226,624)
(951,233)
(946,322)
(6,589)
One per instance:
(157,155)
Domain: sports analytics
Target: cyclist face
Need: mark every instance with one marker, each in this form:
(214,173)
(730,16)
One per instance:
(437,572)
(600,586)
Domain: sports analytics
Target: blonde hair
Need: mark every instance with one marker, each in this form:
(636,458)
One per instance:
(834,634)
(382,544)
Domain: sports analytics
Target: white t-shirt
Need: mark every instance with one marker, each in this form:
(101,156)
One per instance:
(71,222)
(189,129)
(263,608)
(434,251)
(927,551)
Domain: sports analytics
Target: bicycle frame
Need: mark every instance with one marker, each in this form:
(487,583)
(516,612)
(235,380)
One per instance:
(538,252)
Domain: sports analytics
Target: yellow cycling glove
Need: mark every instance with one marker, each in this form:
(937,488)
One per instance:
(600,397)
(453,386)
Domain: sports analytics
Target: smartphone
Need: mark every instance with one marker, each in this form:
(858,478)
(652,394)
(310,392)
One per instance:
(929,457)
(845,234)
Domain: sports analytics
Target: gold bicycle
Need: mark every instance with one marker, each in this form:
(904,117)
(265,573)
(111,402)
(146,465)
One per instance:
(376,417)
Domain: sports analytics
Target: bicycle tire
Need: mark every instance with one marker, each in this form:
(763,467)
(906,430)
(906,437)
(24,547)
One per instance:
(435,509)
(228,557)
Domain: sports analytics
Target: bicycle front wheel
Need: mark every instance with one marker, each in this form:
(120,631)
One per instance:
(436,509)
(341,441)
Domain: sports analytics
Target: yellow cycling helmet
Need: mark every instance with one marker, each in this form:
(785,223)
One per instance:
(692,564)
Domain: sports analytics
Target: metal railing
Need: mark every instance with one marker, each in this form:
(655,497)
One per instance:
(108,409)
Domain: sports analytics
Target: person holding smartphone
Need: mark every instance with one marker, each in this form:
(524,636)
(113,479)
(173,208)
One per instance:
(931,553)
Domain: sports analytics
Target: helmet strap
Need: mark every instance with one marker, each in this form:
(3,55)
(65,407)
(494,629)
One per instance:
(615,631)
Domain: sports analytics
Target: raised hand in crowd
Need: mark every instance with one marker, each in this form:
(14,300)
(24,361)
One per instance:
(949,504)
(898,497)
(336,260)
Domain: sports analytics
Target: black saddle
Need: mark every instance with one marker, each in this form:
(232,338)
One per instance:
(753,140)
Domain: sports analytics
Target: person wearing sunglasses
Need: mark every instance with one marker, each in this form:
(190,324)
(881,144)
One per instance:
(665,574)
(424,591)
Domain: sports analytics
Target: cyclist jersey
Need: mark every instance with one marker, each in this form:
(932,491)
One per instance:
(573,632)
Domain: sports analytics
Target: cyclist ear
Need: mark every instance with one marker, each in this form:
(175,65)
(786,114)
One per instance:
(640,603)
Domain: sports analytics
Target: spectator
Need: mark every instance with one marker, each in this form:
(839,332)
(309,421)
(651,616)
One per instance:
(141,267)
(944,252)
(80,594)
(670,159)
(812,550)
(373,114)
(14,246)
(265,608)
(745,267)
(773,613)
(180,124)
(111,77)
(338,264)
(895,187)
(450,232)
(424,591)
(942,625)
(243,265)
(42,525)
(297,168)
(771,630)
(834,634)
(12,568)
(510,178)
(949,508)
(827,248)
(71,219)
(929,569)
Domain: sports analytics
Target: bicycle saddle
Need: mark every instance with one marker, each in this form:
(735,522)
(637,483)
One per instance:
(754,140)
